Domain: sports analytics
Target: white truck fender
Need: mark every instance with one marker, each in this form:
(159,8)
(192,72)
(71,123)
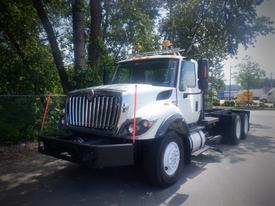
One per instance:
(166,114)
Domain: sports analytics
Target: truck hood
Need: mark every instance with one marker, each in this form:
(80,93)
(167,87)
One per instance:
(144,89)
(146,93)
(130,88)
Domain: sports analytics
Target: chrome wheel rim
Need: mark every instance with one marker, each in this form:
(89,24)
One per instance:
(238,128)
(171,158)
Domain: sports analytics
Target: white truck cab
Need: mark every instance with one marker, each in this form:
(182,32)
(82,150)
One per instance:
(166,85)
(151,112)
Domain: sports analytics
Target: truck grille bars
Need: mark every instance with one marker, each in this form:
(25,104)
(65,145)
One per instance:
(100,112)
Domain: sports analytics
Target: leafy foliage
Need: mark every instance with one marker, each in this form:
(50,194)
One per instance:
(204,28)
(127,23)
(229,103)
(26,64)
(18,119)
(248,73)
(215,28)
(216,82)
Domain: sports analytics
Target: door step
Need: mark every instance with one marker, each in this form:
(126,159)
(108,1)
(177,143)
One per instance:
(205,148)
(201,150)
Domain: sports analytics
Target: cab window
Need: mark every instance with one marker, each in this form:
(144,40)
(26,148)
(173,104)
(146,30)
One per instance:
(158,72)
(187,76)
(124,75)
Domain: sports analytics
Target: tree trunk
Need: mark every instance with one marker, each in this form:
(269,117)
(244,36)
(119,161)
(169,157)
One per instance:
(78,35)
(106,20)
(58,59)
(94,48)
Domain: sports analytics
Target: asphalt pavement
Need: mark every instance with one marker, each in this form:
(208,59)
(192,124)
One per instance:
(241,175)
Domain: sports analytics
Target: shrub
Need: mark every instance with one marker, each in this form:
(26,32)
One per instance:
(21,117)
(216,102)
(17,120)
(229,103)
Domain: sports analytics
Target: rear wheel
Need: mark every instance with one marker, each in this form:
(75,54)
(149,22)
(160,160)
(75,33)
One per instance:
(236,131)
(245,126)
(163,161)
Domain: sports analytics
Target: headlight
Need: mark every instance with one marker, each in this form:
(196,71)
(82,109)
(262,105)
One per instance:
(131,128)
(142,126)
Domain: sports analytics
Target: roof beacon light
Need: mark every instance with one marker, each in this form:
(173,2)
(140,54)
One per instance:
(138,47)
(167,44)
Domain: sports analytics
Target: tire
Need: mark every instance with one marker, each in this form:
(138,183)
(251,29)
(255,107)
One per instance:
(236,130)
(245,126)
(158,167)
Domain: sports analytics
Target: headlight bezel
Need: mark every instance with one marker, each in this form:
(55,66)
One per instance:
(142,125)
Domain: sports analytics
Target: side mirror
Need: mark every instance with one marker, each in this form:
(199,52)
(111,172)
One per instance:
(105,75)
(203,68)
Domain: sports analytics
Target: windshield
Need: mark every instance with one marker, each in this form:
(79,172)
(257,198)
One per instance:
(159,72)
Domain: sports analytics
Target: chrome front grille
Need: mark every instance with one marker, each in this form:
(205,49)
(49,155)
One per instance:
(98,112)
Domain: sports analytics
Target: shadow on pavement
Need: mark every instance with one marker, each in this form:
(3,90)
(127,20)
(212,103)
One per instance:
(254,126)
(40,180)
(253,144)
(55,182)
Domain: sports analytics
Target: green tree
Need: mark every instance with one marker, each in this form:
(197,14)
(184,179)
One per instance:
(57,55)
(78,21)
(127,23)
(216,79)
(95,37)
(26,64)
(214,28)
(26,67)
(248,73)
(109,29)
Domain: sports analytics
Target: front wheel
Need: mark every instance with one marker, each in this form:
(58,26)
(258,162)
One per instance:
(164,160)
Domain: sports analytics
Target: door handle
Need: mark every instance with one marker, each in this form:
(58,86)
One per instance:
(185,95)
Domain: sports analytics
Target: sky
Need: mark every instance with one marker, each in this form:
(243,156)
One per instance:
(263,51)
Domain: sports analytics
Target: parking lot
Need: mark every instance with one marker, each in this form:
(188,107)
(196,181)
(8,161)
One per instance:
(241,175)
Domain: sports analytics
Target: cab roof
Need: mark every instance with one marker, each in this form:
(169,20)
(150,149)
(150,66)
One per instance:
(134,58)
(173,53)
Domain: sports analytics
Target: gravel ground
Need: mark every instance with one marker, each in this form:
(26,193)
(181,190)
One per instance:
(242,175)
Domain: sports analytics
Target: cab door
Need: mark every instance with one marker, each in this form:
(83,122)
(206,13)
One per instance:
(189,95)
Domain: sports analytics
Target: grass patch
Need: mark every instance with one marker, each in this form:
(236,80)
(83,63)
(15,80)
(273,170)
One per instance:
(247,108)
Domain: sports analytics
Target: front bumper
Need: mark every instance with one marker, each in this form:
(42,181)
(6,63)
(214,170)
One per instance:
(97,152)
